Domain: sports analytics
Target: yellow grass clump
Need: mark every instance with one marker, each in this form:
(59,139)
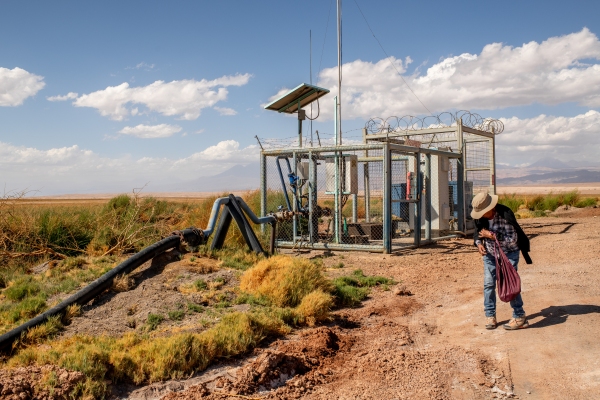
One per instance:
(284,280)
(141,359)
(315,307)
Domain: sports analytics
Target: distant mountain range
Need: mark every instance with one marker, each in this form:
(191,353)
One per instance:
(543,171)
(565,176)
(238,177)
(549,170)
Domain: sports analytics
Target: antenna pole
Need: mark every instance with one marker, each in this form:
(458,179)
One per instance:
(311,109)
(338,141)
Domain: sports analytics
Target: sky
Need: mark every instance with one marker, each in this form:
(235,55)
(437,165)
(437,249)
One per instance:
(100,97)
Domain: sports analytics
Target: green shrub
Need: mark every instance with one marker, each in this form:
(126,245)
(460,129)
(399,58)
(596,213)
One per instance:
(195,307)
(586,202)
(176,315)
(351,290)
(153,321)
(200,284)
(511,201)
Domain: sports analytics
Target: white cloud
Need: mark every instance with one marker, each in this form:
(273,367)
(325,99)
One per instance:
(68,96)
(566,138)
(16,85)
(141,65)
(551,72)
(76,170)
(185,98)
(225,111)
(151,131)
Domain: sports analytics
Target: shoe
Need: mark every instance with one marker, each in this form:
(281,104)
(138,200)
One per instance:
(490,322)
(517,323)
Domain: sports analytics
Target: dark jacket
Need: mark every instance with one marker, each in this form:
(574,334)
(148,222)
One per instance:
(509,216)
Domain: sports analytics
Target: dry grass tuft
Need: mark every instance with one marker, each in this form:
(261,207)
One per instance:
(40,333)
(315,307)
(200,265)
(73,311)
(123,283)
(284,280)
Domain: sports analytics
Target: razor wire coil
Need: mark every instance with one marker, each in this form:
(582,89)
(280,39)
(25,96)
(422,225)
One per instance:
(445,119)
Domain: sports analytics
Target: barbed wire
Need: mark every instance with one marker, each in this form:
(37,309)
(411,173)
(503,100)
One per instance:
(444,119)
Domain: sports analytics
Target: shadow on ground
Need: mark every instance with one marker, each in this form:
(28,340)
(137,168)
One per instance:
(555,315)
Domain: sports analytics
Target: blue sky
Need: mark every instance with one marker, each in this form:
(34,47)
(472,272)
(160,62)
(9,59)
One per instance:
(248,51)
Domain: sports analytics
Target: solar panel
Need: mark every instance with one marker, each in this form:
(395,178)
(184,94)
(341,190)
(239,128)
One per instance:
(305,94)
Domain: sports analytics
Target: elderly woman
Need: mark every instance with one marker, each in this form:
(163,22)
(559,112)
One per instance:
(492,219)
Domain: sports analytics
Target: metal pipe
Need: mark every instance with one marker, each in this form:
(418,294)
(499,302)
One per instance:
(354,208)
(349,147)
(273,235)
(418,210)
(338,99)
(267,219)
(299,127)
(367,189)
(313,228)
(214,213)
(283,186)
(263,188)
(295,194)
(337,212)
(333,246)
(460,178)
(387,200)
(428,197)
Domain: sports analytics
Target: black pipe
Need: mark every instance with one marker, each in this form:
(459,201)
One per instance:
(273,235)
(284,187)
(192,236)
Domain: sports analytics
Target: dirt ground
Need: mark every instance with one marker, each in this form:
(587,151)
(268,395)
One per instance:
(433,345)
(423,339)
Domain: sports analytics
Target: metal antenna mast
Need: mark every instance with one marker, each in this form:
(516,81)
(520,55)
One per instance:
(311,109)
(338,134)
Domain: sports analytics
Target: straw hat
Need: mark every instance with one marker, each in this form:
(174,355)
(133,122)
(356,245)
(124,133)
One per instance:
(482,203)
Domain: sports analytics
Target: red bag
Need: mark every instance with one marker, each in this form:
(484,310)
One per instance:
(509,282)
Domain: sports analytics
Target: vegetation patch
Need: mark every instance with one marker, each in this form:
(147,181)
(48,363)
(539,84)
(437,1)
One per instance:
(537,205)
(153,321)
(351,290)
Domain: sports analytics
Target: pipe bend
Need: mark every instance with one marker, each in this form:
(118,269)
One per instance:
(257,220)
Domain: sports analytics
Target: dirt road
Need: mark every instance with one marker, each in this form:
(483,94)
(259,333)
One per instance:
(433,344)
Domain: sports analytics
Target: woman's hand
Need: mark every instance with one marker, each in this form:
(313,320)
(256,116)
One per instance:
(481,249)
(484,233)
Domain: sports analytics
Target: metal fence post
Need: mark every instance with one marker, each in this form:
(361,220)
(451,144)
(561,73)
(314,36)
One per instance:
(337,192)
(492,143)
(263,188)
(354,208)
(387,199)
(419,198)
(366,189)
(295,202)
(427,197)
(311,194)
(460,178)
